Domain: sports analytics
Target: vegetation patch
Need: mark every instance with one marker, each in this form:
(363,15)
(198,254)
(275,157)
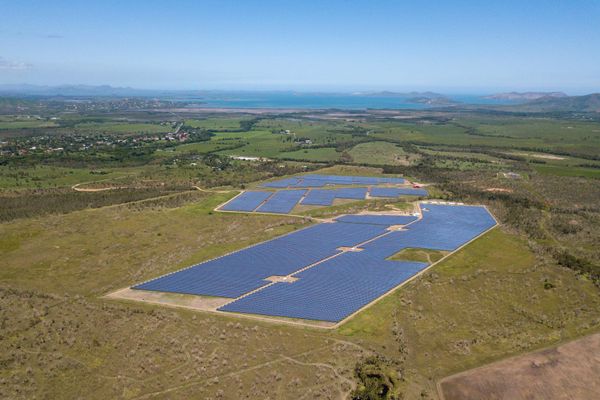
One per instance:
(419,255)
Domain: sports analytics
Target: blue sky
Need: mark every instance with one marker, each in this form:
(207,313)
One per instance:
(449,46)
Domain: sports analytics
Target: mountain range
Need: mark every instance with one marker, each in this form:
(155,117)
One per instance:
(527,101)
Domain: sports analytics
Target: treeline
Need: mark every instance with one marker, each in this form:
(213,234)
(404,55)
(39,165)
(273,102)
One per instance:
(34,203)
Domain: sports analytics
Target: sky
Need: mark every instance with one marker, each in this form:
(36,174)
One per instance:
(343,45)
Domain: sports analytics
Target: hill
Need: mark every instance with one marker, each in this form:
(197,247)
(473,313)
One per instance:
(526,96)
(587,103)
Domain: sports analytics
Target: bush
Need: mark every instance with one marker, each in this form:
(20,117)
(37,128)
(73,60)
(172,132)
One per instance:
(376,380)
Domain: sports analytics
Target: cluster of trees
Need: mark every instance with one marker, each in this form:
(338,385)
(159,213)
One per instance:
(377,380)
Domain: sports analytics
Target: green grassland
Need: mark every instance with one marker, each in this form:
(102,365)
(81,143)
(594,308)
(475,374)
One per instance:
(122,128)
(44,176)
(258,144)
(381,153)
(217,124)
(324,154)
(20,124)
(213,145)
(420,255)
(461,154)
(568,171)
(545,134)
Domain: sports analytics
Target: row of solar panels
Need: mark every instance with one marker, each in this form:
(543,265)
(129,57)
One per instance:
(284,201)
(245,270)
(337,283)
(314,180)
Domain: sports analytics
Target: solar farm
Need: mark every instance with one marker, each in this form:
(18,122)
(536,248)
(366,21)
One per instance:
(327,272)
(309,190)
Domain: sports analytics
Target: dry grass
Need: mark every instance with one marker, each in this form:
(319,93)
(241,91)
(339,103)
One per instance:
(59,338)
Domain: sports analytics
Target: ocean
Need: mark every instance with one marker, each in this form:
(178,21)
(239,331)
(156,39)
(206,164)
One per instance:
(298,100)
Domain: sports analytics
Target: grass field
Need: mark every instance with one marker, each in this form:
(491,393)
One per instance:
(123,128)
(567,171)
(420,255)
(569,136)
(52,177)
(217,124)
(258,144)
(381,153)
(20,124)
(324,154)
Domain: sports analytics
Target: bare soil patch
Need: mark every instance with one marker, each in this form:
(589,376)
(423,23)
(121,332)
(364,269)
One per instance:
(498,190)
(209,304)
(205,303)
(279,278)
(569,371)
(542,156)
(352,249)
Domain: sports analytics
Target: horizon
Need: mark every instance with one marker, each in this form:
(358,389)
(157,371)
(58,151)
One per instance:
(464,47)
(23,86)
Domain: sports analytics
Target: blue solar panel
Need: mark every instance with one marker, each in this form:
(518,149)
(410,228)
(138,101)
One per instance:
(283,183)
(396,192)
(351,193)
(386,220)
(365,180)
(396,181)
(245,270)
(332,289)
(316,180)
(282,202)
(247,201)
(308,183)
(442,227)
(319,197)
(329,291)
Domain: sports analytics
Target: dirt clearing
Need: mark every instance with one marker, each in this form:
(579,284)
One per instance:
(570,371)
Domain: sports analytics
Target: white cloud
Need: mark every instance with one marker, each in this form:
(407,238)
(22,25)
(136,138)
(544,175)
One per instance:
(13,65)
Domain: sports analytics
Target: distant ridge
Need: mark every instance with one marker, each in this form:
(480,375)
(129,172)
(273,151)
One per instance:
(72,90)
(524,95)
(587,103)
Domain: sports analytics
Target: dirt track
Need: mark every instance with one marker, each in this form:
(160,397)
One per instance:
(570,371)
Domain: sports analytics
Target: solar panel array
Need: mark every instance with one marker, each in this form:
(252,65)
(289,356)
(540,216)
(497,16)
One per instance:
(245,270)
(335,288)
(246,201)
(315,180)
(325,197)
(282,202)
(319,197)
(329,291)
(336,283)
(351,193)
(396,192)
(374,219)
